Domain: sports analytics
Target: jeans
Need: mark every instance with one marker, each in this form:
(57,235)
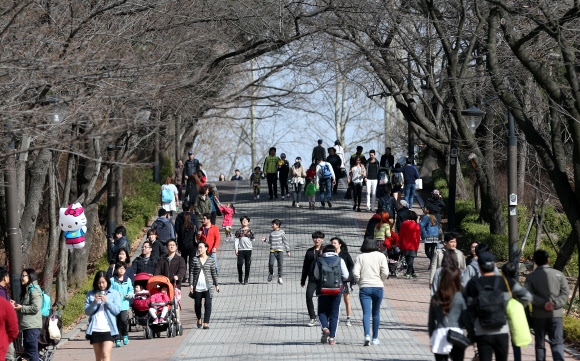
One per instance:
(430,248)
(244,258)
(272,179)
(553,327)
(370,300)
(310,289)
(197,296)
(30,343)
(276,256)
(357,193)
(325,189)
(328,311)
(371,193)
(214,256)
(123,324)
(410,265)
(487,345)
(283,186)
(297,191)
(410,194)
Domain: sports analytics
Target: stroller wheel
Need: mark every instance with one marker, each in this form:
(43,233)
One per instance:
(179,329)
(147,333)
(159,334)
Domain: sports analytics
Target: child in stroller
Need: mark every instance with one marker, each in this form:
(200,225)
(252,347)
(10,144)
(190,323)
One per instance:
(159,302)
(140,306)
(162,289)
(391,249)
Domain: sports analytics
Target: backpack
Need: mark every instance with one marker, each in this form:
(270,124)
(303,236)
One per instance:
(386,203)
(45,309)
(163,231)
(383,177)
(325,171)
(330,282)
(491,305)
(166,194)
(397,179)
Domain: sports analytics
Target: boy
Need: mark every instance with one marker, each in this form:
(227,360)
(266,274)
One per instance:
(310,192)
(244,242)
(122,284)
(278,244)
(255,182)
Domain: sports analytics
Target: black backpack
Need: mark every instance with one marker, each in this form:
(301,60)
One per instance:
(491,304)
(330,281)
(163,231)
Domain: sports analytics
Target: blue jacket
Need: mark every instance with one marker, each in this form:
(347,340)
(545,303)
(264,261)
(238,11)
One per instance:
(112,309)
(124,288)
(410,174)
(428,230)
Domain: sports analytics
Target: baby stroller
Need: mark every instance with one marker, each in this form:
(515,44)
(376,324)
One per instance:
(395,261)
(173,327)
(140,306)
(50,335)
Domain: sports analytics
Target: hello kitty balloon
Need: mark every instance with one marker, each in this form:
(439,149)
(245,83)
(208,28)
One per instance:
(73,223)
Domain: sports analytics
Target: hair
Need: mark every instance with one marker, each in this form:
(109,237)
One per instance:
(359,148)
(277,222)
(148,242)
(318,159)
(388,148)
(317,234)
(372,151)
(187,222)
(206,215)
(449,285)
(369,245)
(122,249)
(343,246)
(122,230)
(412,216)
(449,236)
(3,272)
(358,158)
(331,148)
(169,180)
(203,190)
(272,149)
(32,276)
(450,259)
(385,217)
(222,177)
(509,270)
(541,257)
(98,276)
(120,264)
(152,231)
(337,142)
(433,219)
(205,244)
(245,217)
(329,248)
(161,212)
(171,240)
(397,165)
(409,160)
(233,208)
(481,247)
(256,168)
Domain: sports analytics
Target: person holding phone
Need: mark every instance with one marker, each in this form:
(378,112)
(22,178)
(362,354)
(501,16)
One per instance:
(102,305)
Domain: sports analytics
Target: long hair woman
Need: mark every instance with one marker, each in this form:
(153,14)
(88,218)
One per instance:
(121,256)
(29,309)
(203,281)
(448,309)
(429,233)
(342,251)
(410,238)
(357,175)
(187,242)
(370,271)
(102,305)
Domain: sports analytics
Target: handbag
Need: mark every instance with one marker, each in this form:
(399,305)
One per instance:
(517,321)
(439,343)
(457,339)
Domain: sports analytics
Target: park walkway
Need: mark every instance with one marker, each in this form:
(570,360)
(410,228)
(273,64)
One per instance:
(267,321)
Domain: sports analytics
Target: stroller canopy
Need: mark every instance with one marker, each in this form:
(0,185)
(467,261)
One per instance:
(155,284)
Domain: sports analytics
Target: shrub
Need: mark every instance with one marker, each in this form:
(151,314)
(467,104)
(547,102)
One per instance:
(571,330)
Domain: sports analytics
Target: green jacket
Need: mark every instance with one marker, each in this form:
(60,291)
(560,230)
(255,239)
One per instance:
(547,284)
(30,316)
(201,206)
(271,164)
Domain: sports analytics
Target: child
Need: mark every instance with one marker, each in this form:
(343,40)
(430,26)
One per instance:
(278,244)
(244,242)
(122,284)
(255,181)
(310,192)
(311,172)
(160,298)
(228,212)
(141,299)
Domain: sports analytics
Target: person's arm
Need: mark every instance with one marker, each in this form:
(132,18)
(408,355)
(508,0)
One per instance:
(316,271)
(433,268)
(216,242)
(560,300)
(305,270)
(424,224)
(285,243)
(356,270)
(35,302)
(236,241)
(90,304)
(162,250)
(384,269)
(130,289)
(11,323)
(181,270)
(113,303)
(431,319)
(344,270)
(159,266)
(333,176)
(521,294)
(537,300)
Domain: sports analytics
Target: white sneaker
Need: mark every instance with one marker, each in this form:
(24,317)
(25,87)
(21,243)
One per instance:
(348,323)
(257,197)
(367,340)
(375,341)
(312,322)
(280,281)
(282,197)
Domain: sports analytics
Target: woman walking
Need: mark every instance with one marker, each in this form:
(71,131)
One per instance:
(357,176)
(370,271)
(169,196)
(203,277)
(187,242)
(202,205)
(342,251)
(429,233)
(29,313)
(409,238)
(121,256)
(447,309)
(102,305)
(297,174)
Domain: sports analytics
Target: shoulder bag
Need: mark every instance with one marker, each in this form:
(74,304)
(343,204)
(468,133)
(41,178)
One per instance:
(519,328)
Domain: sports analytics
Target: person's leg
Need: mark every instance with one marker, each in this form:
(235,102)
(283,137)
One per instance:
(430,250)
(98,350)
(164,311)
(214,256)
(457,354)
(439,357)
(484,348)
(30,343)
(271,261)
(358,188)
(298,192)
(213,218)
(328,189)
(333,313)
(106,350)
(556,336)
(377,298)
(280,257)
(411,194)
(275,185)
(125,323)
(240,264)
(410,265)
(119,321)
(517,351)
(540,336)
(197,296)
(207,309)
(407,189)
(500,344)
(374,183)
(323,311)
(310,289)
(10,353)
(322,190)
(248,264)
(369,191)
(347,304)
(365,302)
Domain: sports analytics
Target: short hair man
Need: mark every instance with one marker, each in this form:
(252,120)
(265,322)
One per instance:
(372,179)
(310,259)
(450,240)
(237,176)
(325,181)
(318,152)
(144,262)
(387,159)
(550,292)
(271,172)
(210,234)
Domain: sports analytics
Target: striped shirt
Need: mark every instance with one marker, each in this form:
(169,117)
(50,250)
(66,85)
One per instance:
(278,241)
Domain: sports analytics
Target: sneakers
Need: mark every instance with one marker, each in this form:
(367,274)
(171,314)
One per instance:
(407,276)
(240,278)
(258,196)
(354,207)
(414,275)
(348,323)
(125,340)
(297,205)
(118,343)
(325,334)
(161,320)
(280,282)
(375,341)
(323,204)
(282,197)
(358,209)
(312,322)
(156,321)
(367,340)
(269,278)
(293,203)
(329,204)
(288,195)
(331,341)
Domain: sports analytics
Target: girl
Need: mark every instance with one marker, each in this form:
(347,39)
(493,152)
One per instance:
(122,284)
(228,212)
(30,315)
(157,248)
(169,196)
(160,298)
(203,277)
(297,175)
(102,305)
(222,178)
(255,181)
(342,251)
(429,233)
(357,175)
(243,244)
(383,231)
(410,237)
(311,172)
(122,256)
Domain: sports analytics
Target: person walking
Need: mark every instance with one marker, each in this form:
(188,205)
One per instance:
(429,234)
(202,205)
(169,196)
(186,230)
(370,272)
(357,176)
(318,152)
(124,285)
(278,245)
(297,175)
(372,179)
(145,261)
(178,178)
(189,176)
(9,336)
(550,293)
(271,172)
(29,313)
(8,327)
(121,256)
(325,179)
(310,258)
(243,245)
(210,234)
(340,152)
(410,175)
(449,243)
(336,163)
(102,305)
(342,251)
(204,280)
(283,170)
(410,238)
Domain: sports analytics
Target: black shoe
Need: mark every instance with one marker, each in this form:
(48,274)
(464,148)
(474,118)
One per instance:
(329,204)
(354,208)
(323,205)
(271,198)
(240,278)
(245,282)
(358,209)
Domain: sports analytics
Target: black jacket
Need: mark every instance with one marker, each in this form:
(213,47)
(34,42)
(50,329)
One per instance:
(158,250)
(190,167)
(175,267)
(349,264)
(335,162)
(283,170)
(140,266)
(387,161)
(308,266)
(402,216)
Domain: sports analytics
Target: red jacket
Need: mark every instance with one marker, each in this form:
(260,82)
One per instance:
(410,236)
(391,242)
(211,236)
(8,326)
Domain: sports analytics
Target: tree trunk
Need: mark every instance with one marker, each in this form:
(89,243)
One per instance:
(62,275)
(53,233)
(522,165)
(21,173)
(119,206)
(77,271)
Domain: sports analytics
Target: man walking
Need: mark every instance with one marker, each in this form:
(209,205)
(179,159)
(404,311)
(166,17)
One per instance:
(325,179)
(172,266)
(410,175)
(144,262)
(237,176)
(387,159)
(310,259)
(190,168)
(271,172)
(318,152)
(163,226)
(210,234)
(372,179)
(550,291)
(358,154)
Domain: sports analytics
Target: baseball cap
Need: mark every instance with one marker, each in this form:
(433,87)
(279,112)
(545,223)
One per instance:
(213,186)
(283,155)
(486,259)
(436,192)
(190,152)
(298,159)
(319,141)
(404,203)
